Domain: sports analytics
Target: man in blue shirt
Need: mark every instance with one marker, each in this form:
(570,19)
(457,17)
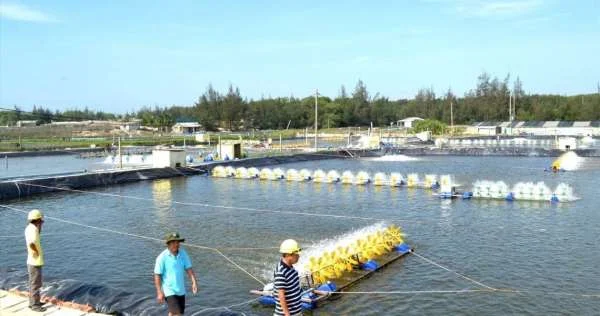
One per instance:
(169,275)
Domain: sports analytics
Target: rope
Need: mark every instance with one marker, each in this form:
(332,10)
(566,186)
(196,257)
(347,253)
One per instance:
(248,248)
(415,292)
(515,291)
(45,234)
(518,291)
(487,288)
(455,272)
(141,237)
(224,206)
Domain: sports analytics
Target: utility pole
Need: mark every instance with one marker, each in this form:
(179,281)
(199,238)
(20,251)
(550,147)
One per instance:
(316,118)
(451,118)
(120,156)
(510,106)
(514,106)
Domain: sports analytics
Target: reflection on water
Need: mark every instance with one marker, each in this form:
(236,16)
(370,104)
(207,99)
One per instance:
(161,192)
(525,245)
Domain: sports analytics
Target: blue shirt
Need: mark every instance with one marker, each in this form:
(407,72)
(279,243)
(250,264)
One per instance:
(172,271)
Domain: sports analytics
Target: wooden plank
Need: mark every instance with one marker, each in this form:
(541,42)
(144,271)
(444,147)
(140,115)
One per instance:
(355,276)
(23,305)
(10,300)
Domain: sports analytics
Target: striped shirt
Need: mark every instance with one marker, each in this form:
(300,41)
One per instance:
(286,278)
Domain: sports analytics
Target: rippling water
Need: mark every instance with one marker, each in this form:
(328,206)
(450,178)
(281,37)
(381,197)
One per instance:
(25,166)
(521,245)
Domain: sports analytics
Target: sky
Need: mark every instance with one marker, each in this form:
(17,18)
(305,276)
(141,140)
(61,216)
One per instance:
(117,56)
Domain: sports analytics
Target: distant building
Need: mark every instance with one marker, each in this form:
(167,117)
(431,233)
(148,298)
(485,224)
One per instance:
(187,128)
(26,123)
(132,125)
(71,123)
(485,129)
(536,128)
(408,122)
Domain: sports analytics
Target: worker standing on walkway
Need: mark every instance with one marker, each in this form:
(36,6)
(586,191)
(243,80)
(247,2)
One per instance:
(169,275)
(286,286)
(35,258)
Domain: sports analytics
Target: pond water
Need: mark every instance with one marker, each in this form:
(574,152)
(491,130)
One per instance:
(540,247)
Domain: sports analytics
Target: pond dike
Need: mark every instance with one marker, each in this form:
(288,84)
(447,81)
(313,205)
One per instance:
(28,186)
(481,151)
(58,152)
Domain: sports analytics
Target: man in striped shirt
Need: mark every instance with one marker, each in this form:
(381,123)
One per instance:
(286,286)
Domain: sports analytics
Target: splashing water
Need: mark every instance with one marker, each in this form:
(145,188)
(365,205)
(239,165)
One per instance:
(129,160)
(430,179)
(333,176)
(229,171)
(319,176)
(393,158)
(569,161)
(396,179)
(380,178)
(362,178)
(412,180)
(266,174)
(332,244)
(253,172)
(528,191)
(279,174)
(293,175)
(305,174)
(241,173)
(347,177)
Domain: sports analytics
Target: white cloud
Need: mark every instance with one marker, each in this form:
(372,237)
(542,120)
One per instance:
(19,12)
(361,60)
(487,8)
(503,8)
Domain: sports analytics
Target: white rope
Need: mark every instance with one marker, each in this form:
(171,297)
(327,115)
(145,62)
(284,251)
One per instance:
(248,248)
(525,291)
(225,206)
(141,237)
(488,288)
(510,291)
(415,292)
(455,272)
(45,234)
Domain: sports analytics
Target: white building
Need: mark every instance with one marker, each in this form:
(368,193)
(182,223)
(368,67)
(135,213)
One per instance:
(132,125)
(187,128)
(25,123)
(536,128)
(408,122)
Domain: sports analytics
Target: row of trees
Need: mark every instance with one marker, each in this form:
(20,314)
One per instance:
(488,101)
(10,116)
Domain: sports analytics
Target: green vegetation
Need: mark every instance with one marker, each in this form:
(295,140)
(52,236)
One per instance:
(436,127)
(488,101)
(57,143)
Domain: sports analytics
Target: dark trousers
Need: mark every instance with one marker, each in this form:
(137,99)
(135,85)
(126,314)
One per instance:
(35,284)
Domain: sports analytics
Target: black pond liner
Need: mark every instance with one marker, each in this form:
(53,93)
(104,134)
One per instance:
(104,299)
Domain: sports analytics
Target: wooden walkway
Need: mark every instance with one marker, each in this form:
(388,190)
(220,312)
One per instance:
(16,305)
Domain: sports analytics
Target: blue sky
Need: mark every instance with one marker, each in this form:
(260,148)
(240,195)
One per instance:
(66,54)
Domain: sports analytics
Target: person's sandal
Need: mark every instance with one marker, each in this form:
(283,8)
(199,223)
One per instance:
(38,308)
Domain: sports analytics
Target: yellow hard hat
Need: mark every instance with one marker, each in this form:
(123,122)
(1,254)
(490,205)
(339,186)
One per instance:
(34,215)
(289,246)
